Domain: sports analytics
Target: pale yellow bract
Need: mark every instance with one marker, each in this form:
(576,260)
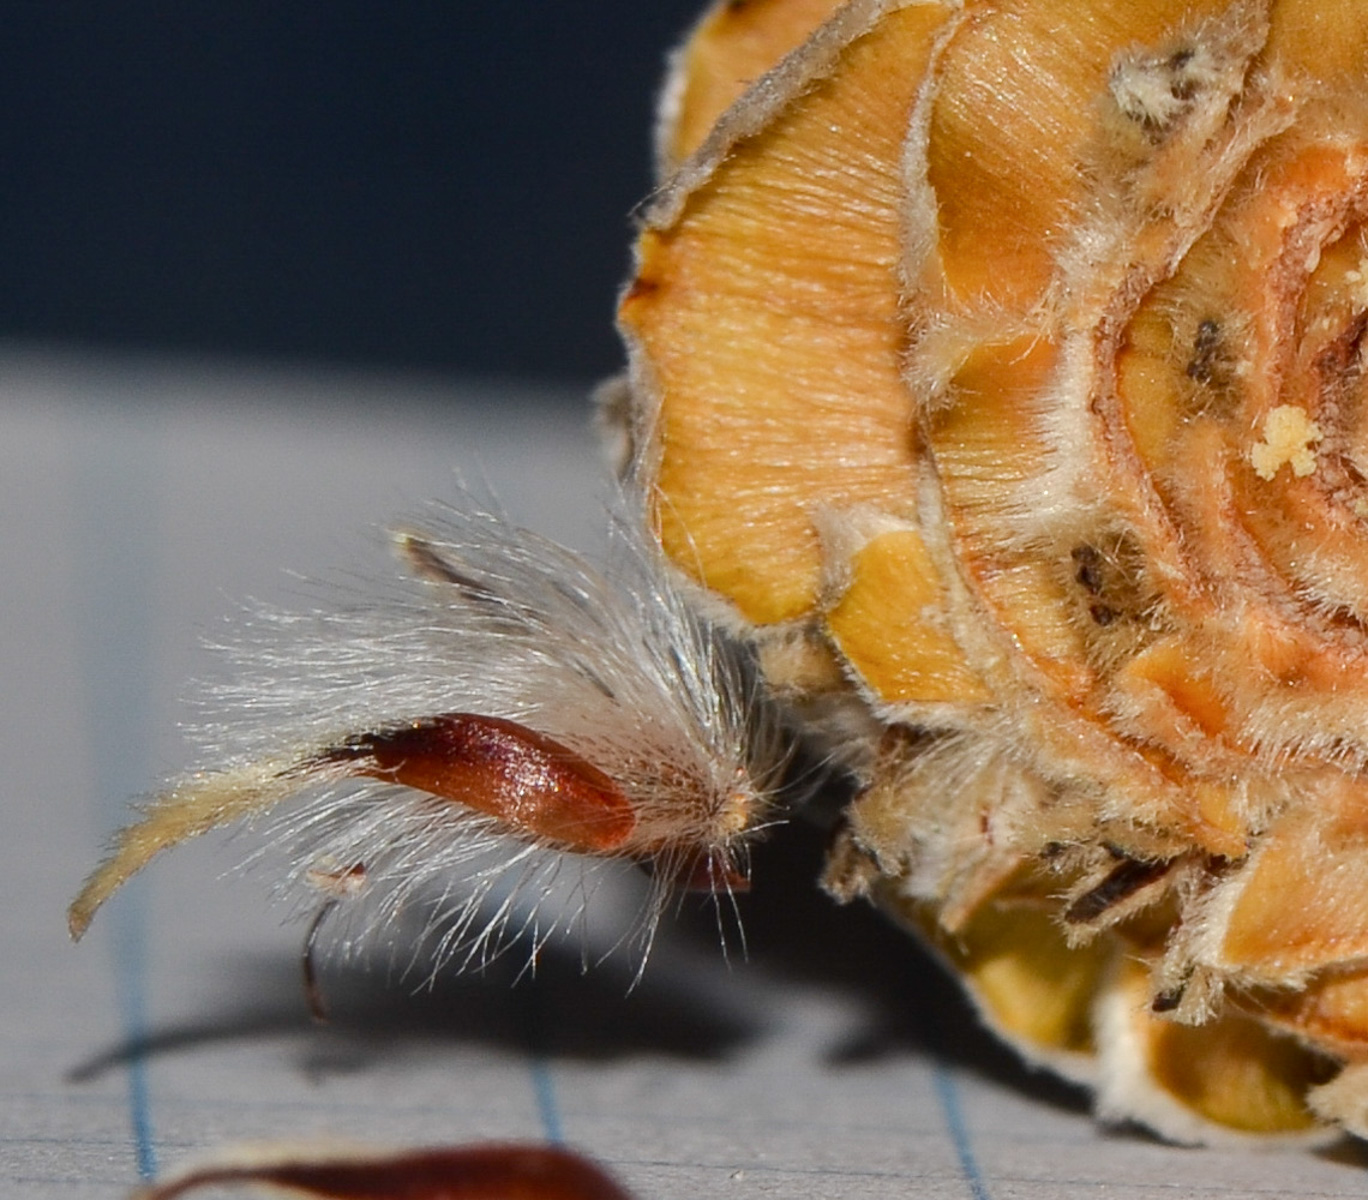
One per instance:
(968,343)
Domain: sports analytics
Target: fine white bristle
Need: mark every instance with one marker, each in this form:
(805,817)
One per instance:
(483,618)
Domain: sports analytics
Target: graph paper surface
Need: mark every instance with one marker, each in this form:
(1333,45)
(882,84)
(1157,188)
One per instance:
(143,505)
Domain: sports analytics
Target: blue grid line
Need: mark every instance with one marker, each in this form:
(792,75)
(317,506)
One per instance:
(947,1092)
(113,461)
(130,970)
(532,1012)
(547,1108)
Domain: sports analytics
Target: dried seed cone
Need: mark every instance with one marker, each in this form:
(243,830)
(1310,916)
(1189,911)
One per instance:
(999,369)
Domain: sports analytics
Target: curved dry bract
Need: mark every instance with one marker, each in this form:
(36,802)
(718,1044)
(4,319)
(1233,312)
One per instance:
(999,369)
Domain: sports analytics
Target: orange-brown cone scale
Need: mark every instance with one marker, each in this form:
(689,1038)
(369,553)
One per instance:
(732,46)
(1009,358)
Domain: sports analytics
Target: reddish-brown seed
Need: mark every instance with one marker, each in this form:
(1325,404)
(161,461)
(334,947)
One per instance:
(527,780)
(712,873)
(492,1172)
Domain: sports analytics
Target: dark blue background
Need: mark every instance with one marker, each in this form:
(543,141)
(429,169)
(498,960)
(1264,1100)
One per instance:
(442,186)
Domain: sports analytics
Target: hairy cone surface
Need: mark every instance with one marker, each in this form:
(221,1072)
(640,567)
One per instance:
(999,369)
